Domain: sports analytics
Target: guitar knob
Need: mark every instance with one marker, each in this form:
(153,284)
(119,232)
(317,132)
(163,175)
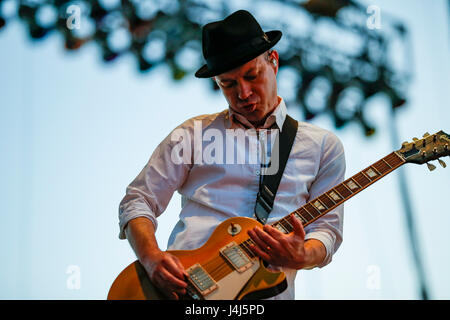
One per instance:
(431,167)
(234,229)
(442,163)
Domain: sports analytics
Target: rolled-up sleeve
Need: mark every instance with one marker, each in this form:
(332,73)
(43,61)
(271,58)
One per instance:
(150,192)
(329,228)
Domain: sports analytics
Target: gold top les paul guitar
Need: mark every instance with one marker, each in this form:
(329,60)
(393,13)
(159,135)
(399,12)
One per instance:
(225,268)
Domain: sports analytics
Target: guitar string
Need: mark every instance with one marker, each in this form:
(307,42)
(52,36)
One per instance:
(219,267)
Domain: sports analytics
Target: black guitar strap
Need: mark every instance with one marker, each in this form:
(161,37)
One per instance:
(269,183)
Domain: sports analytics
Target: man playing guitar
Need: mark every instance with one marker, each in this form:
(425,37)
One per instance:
(240,59)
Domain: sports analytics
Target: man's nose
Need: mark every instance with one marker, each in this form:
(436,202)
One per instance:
(244,90)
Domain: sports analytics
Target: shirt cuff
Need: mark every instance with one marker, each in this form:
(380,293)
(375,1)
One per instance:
(328,242)
(126,217)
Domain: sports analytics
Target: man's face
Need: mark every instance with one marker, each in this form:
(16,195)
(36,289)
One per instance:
(251,89)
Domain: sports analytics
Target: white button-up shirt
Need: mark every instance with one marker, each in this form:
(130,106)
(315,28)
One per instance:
(218,176)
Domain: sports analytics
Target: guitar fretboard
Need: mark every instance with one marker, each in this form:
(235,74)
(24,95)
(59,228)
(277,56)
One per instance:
(337,195)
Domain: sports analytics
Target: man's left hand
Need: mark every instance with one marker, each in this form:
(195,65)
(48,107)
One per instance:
(280,249)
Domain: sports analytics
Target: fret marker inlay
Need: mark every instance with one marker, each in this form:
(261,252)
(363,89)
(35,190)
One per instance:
(334,196)
(319,206)
(371,173)
(352,185)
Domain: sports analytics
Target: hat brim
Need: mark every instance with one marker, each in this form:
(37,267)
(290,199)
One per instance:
(205,72)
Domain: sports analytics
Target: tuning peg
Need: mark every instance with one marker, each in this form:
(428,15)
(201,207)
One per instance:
(431,167)
(415,139)
(442,163)
(404,144)
(426,134)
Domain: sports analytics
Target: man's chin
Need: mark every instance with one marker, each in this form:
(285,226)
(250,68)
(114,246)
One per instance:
(252,114)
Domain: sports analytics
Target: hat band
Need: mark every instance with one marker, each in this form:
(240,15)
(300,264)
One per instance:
(255,43)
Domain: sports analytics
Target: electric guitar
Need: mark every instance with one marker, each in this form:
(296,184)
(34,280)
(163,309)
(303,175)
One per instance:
(225,268)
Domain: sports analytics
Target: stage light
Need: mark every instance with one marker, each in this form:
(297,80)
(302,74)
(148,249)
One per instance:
(36,31)
(348,102)
(144,65)
(316,98)
(154,50)
(73,43)
(119,40)
(325,8)
(396,99)
(46,16)
(26,12)
(339,47)
(97,11)
(108,55)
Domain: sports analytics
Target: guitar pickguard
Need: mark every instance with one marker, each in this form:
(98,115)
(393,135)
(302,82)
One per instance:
(230,286)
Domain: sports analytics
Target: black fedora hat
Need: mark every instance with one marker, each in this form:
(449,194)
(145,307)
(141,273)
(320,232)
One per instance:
(232,42)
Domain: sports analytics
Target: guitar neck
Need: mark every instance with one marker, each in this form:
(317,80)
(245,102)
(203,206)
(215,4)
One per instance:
(337,195)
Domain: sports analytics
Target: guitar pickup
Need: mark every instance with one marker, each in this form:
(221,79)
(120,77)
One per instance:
(236,256)
(202,281)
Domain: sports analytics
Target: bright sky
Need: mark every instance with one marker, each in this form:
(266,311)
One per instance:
(75,132)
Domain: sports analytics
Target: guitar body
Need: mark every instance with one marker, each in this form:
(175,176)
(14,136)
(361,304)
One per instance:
(231,273)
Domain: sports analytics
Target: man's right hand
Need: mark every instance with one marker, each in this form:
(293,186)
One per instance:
(167,273)
(164,269)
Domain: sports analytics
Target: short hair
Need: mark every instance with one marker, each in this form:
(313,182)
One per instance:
(268,53)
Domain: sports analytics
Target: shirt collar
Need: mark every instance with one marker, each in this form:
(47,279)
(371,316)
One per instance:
(277,117)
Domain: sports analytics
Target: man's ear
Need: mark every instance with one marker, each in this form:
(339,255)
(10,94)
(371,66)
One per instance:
(274,60)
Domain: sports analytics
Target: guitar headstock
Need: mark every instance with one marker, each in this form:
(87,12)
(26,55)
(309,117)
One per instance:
(430,147)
